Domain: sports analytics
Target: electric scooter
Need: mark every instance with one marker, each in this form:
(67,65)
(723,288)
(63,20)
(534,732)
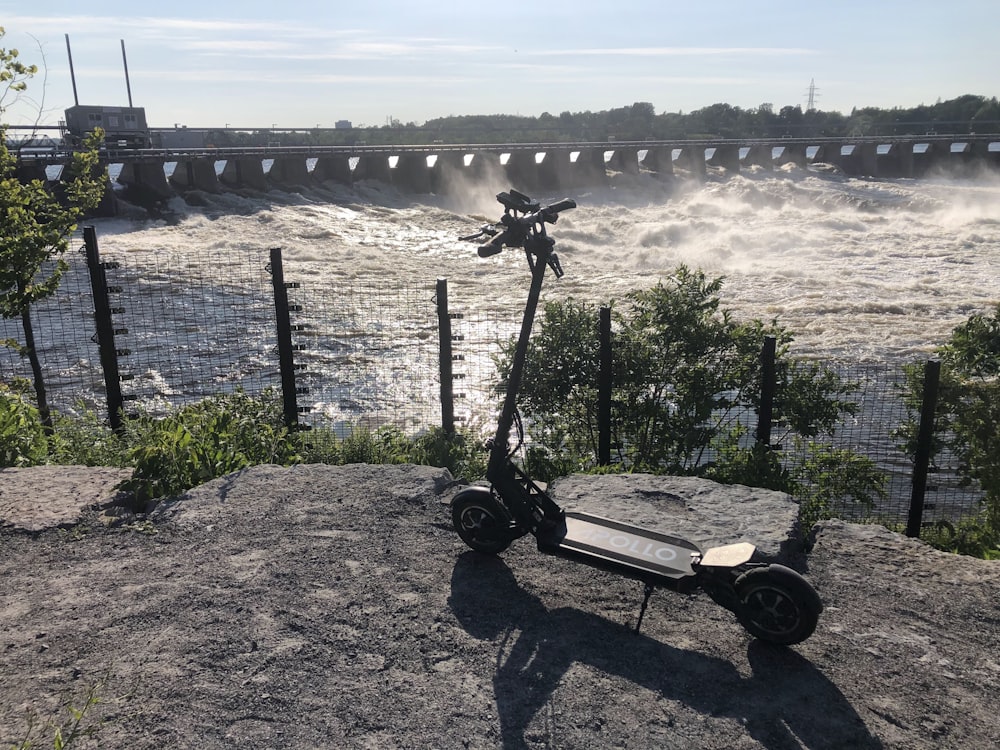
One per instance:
(772,602)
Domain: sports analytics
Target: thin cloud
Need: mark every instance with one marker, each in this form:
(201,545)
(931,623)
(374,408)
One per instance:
(257,39)
(678,51)
(251,48)
(107,24)
(384,50)
(275,77)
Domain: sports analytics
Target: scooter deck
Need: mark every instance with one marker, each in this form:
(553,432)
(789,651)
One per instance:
(620,547)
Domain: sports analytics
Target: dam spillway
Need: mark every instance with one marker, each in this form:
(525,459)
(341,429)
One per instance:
(164,173)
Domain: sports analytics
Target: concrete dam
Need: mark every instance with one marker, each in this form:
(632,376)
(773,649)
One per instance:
(163,173)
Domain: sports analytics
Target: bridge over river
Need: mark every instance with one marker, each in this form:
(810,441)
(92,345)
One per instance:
(162,173)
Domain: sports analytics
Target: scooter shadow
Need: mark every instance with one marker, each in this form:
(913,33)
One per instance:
(786,703)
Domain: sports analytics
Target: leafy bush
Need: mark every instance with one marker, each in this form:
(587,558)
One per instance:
(211,438)
(227,433)
(827,479)
(84,439)
(686,383)
(559,384)
(971,535)
(966,426)
(463,456)
(203,441)
(22,437)
(684,370)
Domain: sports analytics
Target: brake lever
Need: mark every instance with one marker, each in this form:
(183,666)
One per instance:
(487,230)
(555,265)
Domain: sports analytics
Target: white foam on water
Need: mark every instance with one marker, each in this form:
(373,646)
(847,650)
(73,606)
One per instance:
(856,269)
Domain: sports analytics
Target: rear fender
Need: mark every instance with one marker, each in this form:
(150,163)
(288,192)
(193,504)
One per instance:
(485,495)
(477,492)
(798,582)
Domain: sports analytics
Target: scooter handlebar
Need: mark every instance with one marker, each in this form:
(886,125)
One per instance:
(515,201)
(517,228)
(493,247)
(564,205)
(512,235)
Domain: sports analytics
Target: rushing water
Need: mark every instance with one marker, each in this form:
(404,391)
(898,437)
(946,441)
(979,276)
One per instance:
(856,269)
(859,270)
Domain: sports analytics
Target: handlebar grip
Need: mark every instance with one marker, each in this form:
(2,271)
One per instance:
(564,205)
(492,247)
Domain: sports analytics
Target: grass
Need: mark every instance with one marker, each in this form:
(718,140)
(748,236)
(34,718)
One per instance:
(75,724)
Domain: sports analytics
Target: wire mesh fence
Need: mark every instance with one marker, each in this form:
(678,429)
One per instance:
(194,324)
(875,431)
(480,335)
(63,327)
(192,327)
(368,353)
(870,432)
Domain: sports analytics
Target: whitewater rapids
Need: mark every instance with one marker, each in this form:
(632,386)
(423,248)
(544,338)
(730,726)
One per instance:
(856,269)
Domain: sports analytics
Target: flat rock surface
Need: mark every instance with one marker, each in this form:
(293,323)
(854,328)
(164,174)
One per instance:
(335,607)
(42,497)
(706,513)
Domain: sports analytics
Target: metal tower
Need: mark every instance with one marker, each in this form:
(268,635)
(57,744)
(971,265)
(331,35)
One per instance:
(812,95)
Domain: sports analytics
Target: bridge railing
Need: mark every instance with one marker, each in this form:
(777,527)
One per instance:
(125,155)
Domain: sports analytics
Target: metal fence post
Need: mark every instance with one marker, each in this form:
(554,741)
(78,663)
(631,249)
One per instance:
(768,385)
(286,360)
(445,358)
(604,385)
(922,456)
(105,328)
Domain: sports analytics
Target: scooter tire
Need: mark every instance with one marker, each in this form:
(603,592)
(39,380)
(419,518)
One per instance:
(479,522)
(777,605)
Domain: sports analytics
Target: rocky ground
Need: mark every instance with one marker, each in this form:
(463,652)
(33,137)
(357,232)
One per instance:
(335,607)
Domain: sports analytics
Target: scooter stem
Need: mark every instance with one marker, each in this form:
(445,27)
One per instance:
(500,472)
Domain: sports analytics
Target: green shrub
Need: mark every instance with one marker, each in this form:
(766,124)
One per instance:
(827,480)
(84,439)
(463,456)
(559,384)
(686,377)
(966,426)
(972,535)
(361,445)
(317,446)
(203,441)
(22,438)
(227,433)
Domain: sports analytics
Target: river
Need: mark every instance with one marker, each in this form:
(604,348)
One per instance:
(857,269)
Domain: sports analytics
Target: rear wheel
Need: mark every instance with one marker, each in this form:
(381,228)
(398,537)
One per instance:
(479,522)
(777,605)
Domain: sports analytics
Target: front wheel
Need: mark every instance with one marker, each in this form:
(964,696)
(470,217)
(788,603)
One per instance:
(480,522)
(777,605)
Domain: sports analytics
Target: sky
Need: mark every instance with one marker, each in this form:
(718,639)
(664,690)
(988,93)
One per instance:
(303,64)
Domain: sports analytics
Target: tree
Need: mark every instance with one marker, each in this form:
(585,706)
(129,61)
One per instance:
(36,224)
(686,389)
(13,74)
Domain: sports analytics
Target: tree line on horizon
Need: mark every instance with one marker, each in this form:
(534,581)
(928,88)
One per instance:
(968,113)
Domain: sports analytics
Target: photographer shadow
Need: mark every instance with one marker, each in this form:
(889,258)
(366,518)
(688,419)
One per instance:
(786,703)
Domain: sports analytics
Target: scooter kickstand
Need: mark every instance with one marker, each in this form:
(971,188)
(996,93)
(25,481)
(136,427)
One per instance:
(647,592)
